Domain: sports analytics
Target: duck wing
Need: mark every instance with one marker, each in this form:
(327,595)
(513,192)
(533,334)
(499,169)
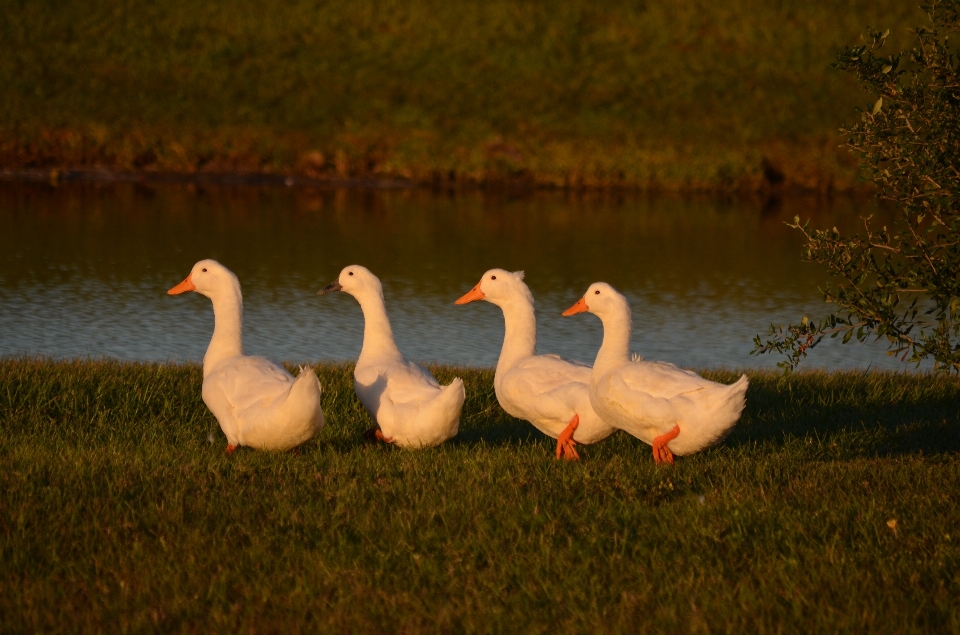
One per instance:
(250,381)
(413,408)
(650,397)
(408,383)
(546,387)
(662,380)
(543,373)
(381,384)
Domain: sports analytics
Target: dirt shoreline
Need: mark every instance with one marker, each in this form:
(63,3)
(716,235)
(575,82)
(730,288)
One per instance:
(101,175)
(202,178)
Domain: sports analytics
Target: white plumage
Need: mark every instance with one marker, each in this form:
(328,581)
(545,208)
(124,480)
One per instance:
(548,391)
(674,410)
(256,402)
(411,408)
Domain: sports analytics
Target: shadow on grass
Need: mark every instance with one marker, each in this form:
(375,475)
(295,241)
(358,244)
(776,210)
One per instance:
(503,431)
(881,413)
(872,413)
(91,402)
(875,413)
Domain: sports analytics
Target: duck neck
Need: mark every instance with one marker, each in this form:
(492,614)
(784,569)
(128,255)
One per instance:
(227,338)
(377,334)
(520,334)
(615,350)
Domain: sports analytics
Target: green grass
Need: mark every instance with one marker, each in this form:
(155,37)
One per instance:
(692,94)
(119,515)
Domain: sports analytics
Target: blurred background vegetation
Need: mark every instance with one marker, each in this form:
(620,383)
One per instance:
(676,95)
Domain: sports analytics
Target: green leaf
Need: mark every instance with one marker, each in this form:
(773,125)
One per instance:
(910,154)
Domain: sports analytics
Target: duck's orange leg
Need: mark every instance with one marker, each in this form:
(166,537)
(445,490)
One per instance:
(231,449)
(374,434)
(661,453)
(565,442)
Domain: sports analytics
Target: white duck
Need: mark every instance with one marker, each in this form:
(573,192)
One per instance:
(257,403)
(411,408)
(550,392)
(676,411)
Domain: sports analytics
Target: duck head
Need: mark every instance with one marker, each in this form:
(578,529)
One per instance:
(600,299)
(499,287)
(209,278)
(355,280)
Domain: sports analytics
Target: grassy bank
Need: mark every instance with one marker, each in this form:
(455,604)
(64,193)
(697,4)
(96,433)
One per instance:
(118,514)
(695,94)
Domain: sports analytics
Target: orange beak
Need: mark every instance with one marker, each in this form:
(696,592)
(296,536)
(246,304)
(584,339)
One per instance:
(471,295)
(183,287)
(579,307)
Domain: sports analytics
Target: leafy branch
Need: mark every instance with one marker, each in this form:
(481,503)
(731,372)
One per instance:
(900,283)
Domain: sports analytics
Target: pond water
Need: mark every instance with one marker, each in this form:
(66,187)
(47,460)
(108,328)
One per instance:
(84,270)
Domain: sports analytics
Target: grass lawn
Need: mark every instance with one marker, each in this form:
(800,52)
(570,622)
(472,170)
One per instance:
(686,94)
(121,513)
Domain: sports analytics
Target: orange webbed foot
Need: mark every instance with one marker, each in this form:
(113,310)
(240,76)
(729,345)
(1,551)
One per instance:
(231,449)
(565,442)
(374,435)
(661,453)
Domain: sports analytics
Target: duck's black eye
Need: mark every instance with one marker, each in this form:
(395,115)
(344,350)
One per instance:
(493,277)
(349,273)
(204,269)
(597,292)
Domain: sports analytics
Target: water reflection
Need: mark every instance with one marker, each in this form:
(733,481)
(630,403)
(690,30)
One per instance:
(84,270)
